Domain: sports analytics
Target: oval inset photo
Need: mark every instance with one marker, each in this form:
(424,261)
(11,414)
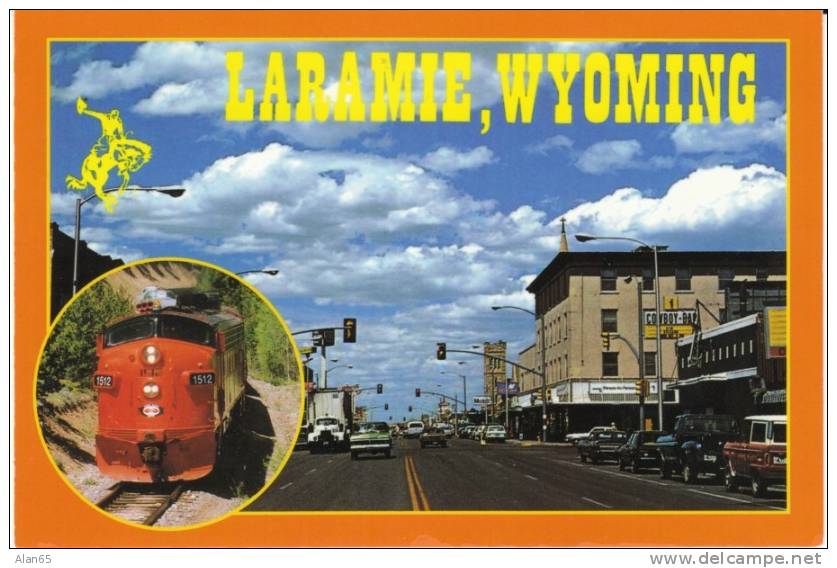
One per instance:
(169,393)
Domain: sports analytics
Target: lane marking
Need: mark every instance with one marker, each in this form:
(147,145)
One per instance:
(596,502)
(419,488)
(310,471)
(283,487)
(532,477)
(410,486)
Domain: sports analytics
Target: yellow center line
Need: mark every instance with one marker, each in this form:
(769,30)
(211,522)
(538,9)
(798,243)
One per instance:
(422,495)
(410,485)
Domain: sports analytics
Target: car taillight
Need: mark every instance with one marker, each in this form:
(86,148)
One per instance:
(151,355)
(151,390)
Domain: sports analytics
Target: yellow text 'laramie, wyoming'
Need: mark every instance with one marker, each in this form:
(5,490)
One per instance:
(429,87)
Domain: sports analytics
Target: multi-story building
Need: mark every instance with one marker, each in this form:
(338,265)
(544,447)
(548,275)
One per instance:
(494,371)
(580,296)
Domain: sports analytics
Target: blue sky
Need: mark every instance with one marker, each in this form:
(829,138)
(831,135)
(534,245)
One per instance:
(415,229)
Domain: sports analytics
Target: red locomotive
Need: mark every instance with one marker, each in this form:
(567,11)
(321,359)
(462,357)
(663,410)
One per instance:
(170,381)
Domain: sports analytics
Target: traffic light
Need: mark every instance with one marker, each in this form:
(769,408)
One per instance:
(606,341)
(441,352)
(349,330)
(639,388)
(323,337)
(418,393)
(380,388)
(386,406)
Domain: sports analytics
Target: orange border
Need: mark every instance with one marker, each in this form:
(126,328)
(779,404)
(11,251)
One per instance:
(45,504)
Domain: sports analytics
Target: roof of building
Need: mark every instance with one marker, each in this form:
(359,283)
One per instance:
(668,261)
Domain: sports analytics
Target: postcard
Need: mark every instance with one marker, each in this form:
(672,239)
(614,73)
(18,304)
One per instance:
(385,279)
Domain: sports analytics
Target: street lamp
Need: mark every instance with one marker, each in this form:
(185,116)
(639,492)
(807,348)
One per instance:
(659,359)
(464,394)
(270,271)
(327,371)
(542,326)
(170,191)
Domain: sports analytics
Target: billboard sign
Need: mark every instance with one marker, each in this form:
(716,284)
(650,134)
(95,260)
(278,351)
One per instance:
(674,324)
(775,331)
(482,400)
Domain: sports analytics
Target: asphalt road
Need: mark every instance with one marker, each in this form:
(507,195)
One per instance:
(506,477)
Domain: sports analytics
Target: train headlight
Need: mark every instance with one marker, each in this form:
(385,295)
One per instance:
(151,410)
(151,390)
(151,355)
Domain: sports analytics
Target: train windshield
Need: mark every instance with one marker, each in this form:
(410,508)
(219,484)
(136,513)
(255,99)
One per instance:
(168,326)
(130,330)
(185,329)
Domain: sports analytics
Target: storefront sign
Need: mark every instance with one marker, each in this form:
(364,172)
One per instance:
(673,323)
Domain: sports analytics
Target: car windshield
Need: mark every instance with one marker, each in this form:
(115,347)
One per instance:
(496,429)
(779,433)
(326,421)
(645,437)
(710,423)
(364,427)
(611,436)
(415,425)
(168,326)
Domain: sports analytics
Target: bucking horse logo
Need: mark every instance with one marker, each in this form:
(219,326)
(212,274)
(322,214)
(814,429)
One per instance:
(114,149)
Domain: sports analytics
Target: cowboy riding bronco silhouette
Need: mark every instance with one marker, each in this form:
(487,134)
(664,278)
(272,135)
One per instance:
(113,150)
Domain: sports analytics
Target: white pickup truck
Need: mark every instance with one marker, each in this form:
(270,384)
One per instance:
(578,436)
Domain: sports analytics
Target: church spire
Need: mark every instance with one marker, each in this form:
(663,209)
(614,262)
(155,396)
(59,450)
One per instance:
(564,246)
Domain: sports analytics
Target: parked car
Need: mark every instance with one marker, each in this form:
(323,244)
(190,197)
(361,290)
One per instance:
(466,431)
(578,436)
(478,431)
(372,438)
(433,437)
(696,445)
(414,429)
(759,455)
(640,450)
(601,446)
(495,433)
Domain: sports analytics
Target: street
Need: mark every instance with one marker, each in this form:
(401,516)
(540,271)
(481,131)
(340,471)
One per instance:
(502,477)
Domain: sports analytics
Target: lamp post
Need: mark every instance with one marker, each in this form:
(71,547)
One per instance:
(170,191)
(464,395)
(327,371)
(269,271)
(659,359)
(541,326)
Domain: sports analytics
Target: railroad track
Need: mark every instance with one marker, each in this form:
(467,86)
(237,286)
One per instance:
(142,504)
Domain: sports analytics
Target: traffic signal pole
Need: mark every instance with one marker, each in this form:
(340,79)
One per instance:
(640,341)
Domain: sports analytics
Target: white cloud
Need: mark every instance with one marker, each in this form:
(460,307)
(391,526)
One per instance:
(768,129)
(706,207)
(559,141)
(609,155)
(446,160)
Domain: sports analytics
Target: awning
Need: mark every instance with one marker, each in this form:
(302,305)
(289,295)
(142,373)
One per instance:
(774,397)
(715,377)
